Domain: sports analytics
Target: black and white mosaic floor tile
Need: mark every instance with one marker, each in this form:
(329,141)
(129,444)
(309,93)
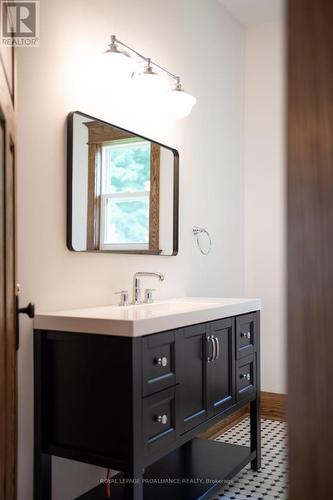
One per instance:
(270,483)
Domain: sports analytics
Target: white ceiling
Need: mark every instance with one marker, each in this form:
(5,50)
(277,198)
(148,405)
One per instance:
(249,12)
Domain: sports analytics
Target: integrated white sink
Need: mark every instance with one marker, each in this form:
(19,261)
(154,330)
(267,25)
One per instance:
(144,319)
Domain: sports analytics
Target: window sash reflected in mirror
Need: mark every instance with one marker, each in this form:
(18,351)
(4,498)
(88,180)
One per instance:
(126,195)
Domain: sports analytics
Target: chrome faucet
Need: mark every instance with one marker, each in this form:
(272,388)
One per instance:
(137,284)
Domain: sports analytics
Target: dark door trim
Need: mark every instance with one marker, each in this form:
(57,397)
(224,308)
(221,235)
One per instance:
(310,248)
(8,356)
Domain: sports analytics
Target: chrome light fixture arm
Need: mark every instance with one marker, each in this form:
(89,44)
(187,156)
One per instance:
(180,102)
(149,61)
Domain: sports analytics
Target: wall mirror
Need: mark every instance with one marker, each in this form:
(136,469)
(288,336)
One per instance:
(122,190)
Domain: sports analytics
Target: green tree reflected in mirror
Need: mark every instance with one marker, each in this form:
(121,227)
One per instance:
(127,180)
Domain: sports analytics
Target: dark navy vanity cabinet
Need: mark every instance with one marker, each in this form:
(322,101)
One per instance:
(136,405)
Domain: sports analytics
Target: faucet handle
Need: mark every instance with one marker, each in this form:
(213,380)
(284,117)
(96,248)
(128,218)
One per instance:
(123,297)
(149,295)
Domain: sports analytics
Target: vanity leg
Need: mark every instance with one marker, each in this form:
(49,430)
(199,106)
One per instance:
(255,433)
(42,476)
(255,408)
(134,488)
(42,461)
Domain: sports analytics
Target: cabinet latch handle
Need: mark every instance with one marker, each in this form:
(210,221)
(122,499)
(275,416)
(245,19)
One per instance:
(217,342)
(211,340)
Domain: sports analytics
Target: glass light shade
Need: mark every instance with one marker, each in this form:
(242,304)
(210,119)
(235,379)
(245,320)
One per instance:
(119,64)
(150,84)
(179,103)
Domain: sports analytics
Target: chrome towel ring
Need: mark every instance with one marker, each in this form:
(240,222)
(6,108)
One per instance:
(197,231)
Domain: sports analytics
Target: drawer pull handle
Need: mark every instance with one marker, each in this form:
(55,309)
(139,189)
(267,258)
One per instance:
(246,335)
(162,361)
(247,376)
(162,419)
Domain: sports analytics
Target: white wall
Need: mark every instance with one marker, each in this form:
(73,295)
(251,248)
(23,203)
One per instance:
(58,77)
(264,193)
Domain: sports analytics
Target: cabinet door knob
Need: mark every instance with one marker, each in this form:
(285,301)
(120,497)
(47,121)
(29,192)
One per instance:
(162,361)
(162,419)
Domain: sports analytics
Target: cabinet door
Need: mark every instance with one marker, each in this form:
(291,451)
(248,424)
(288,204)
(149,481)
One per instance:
(193,393)
(220,370)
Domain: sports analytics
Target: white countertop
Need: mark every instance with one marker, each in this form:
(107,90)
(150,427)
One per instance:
(144,319)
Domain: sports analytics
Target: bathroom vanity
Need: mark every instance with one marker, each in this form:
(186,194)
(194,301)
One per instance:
(130,389)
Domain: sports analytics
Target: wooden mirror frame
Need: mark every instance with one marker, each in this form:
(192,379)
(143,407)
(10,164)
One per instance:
(69,241)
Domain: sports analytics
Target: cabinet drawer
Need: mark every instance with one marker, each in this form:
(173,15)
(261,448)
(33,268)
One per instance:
(160,363)
(159,420)
(246,334)
(246,377)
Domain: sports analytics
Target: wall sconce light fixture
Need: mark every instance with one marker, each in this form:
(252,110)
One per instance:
(176,101)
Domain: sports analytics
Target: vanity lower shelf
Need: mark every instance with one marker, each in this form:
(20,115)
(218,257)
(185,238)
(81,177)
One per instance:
(194,471)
